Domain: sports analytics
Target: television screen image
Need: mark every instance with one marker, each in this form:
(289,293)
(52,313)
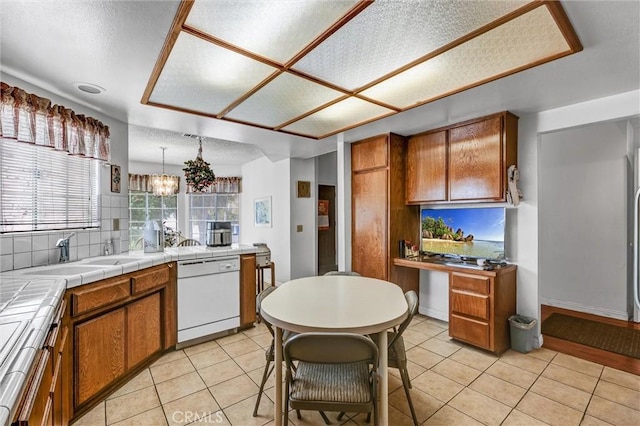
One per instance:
(464,232)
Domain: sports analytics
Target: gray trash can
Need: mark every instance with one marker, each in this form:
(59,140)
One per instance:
(522,329)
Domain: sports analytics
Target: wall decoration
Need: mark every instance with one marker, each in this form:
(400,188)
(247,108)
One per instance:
(116,178)
(262,212)
(323,215)
(304,189)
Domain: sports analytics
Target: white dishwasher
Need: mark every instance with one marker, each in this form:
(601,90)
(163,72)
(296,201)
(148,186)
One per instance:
(208,296)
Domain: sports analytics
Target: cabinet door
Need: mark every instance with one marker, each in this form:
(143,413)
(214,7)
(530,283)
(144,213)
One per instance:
(99,352)
(369,223)
(144,329)
(369,154)
(247,289)
(476,161)
(427,168)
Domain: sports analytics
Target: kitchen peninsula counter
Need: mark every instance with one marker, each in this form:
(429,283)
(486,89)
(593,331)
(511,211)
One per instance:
(31,297)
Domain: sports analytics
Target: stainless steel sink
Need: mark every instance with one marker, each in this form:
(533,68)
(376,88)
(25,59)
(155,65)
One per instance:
(65,270)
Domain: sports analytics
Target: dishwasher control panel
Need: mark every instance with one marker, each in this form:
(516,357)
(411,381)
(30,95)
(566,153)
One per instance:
(218,265)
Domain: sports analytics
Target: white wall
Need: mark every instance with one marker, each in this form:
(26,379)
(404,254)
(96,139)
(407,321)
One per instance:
(583,219)
(327,168)
(304,244)
(27,249)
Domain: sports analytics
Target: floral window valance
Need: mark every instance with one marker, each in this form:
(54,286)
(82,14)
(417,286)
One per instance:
(143,183)
(29,118)
(226,184)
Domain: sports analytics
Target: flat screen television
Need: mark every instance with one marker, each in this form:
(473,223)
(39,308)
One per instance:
(476,233)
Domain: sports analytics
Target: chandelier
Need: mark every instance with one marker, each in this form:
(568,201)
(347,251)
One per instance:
(164,184)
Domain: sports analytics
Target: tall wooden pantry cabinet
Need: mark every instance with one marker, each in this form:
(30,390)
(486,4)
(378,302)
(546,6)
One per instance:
(379,216)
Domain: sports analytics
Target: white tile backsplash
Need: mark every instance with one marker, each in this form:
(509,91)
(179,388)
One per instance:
(24,250)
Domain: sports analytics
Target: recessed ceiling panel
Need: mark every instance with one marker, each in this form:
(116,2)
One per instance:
(283,99)
(528,39)
(203,77)
(389,34)
(347,113)
(274,29)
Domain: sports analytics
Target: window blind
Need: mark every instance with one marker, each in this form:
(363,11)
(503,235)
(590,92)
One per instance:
(45,189)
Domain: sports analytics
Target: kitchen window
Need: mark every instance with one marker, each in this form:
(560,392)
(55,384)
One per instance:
(45,189)
(215,206)
(145,205)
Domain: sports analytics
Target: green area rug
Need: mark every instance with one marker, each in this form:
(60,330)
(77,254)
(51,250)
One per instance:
(621,340)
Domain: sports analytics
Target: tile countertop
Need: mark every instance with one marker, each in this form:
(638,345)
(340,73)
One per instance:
(29,297)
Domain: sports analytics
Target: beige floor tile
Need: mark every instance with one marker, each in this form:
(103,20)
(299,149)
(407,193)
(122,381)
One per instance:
(548,411)
(414,370)
(612,412)
(480,407)
(263,340)
(447,416)
(423,357)
(524,361)
(171,356)
(424,404)
(504,392)
(170,370)
(428,328)
(474,358)
(179,387)
(543,354)
(437,386)
(241,347)
(131,404)
(218,419)
(559,392)
(586,367)
(414,337)
(190,408)
(208,357)
(232,338)
(438,323)
(592,421)
(142,380)
(242,412)
(202,347)
(398,418)
(95,417)
(570,377)
(620,394)
(440,347)
(154,417)
(621,378)
(258,329)
(511,374)
(220,372)
(313,418)
(234,390)
(518,418)
(457,372)
(256,376)
(251,360)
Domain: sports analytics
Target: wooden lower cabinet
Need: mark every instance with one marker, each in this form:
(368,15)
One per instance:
(118,326)
(480,305)
(247,290)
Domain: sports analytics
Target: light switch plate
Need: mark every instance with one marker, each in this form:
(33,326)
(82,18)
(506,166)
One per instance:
(299,228)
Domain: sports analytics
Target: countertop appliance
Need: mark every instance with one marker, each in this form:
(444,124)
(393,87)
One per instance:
(263,255)
(208,296)
(218,233)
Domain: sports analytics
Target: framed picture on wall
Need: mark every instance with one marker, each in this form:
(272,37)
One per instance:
(115,178)
(262,211)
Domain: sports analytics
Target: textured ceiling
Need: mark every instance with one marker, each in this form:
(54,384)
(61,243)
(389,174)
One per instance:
(317,68)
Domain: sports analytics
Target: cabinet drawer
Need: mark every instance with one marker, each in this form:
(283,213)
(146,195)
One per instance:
(100,295)
(469,304)
(475,283)
(155,277)
(470,331)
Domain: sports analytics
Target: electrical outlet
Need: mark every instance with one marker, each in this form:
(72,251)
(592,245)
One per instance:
(299,228)
(116,225)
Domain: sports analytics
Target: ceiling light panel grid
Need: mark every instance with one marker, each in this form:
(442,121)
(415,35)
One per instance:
(341,115)
(273,29)
(283,99)
(529,38)
(204,77)
(388,35)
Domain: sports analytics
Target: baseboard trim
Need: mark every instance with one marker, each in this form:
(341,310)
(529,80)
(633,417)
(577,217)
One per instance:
(594,310)
(434,313)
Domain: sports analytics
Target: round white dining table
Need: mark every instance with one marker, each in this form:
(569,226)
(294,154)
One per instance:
(335,303)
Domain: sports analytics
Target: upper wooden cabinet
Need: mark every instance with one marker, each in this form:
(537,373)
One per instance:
(464,162)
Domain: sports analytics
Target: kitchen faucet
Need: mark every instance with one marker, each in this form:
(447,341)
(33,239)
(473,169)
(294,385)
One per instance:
(63,243)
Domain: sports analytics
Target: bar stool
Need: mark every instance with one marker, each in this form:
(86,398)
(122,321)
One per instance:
(260,275)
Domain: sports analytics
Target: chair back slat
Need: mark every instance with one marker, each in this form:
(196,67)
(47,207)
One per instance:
(330,348)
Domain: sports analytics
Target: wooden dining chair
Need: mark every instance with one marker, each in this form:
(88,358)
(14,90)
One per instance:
(189,242)
(331,372)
